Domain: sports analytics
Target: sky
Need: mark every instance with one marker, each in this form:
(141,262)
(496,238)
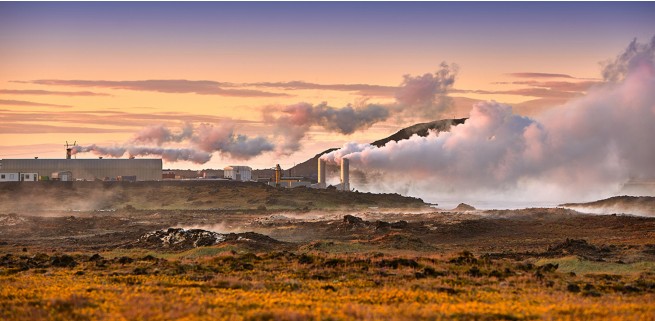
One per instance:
(212,84)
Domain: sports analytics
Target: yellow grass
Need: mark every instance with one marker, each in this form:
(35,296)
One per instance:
(285,286)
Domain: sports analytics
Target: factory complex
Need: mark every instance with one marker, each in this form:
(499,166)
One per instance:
(80,169)
(148,169)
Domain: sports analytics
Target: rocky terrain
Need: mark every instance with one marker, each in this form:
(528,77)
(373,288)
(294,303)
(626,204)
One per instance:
(176,250)
(33,197)
(638,205)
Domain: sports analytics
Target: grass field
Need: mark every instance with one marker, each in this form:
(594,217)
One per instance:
(226,284)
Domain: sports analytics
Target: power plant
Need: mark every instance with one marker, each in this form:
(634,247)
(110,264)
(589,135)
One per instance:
(287,181)
(132,169)
(33,169)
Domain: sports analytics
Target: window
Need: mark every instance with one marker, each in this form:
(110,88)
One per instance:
(2,176)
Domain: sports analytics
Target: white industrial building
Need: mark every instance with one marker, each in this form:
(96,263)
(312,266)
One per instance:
(238,173)
(83,169)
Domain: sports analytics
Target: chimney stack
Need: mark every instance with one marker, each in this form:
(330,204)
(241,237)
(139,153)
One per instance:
(345,174)
(321,174)
(278,175)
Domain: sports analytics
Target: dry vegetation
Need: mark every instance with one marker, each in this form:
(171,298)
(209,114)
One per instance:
(224,195)
(233,285)
(310,255)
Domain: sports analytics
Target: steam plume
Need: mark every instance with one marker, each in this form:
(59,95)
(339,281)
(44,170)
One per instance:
(115,151)
(167,154)
(588,146)
(223,139)
(426,95)
(172,154)
(422,96)
(205,140)
(160,134)
(297,119)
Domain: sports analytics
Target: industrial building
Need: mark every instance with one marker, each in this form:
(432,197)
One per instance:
(287,181)
(85,169)
(16,177)
(238,173)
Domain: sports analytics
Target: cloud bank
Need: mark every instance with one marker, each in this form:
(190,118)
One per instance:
(36,92)
(200,87)
(23,103)
(538,75)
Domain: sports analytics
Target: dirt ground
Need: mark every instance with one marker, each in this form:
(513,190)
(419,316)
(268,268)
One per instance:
(198,250)
(333,228)
(81,216)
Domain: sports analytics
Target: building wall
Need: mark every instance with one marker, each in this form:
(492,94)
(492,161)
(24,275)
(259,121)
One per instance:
(88,169)
(238,173)
(9,177)
(29,177)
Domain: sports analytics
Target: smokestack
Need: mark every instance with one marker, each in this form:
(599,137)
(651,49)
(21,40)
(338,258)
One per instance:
(321,173)
(345,174)
(69,152)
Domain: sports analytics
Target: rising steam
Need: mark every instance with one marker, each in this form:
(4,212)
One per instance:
(585,147)
(426,95)
(422,96)
(206,139)
(297,119)
(160,134)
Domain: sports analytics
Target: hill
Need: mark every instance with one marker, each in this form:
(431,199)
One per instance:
(184,195)
(309,167)
(638,205)
(421,129)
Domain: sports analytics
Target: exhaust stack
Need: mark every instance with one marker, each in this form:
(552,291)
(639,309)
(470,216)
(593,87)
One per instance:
(321,174)
(278,175)
(69,149)
(345,174)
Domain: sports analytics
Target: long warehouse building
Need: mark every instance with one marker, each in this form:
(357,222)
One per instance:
(87,169)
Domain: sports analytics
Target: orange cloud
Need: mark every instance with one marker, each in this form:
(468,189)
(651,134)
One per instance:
(53,93)
(20,103)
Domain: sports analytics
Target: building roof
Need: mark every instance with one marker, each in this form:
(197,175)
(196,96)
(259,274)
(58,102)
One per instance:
(237,167)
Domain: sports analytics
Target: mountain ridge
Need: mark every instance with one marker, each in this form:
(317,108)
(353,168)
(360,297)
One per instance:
(309,167)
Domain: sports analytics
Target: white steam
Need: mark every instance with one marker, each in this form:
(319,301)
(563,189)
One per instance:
(418,97)
(204,140)
(160,134)
(297,119)
(587,146)
(426,95)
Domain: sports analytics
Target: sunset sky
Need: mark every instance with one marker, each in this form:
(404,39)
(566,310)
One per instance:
(98,73)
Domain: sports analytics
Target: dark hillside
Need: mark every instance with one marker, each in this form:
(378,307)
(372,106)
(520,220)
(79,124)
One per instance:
(309,167)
